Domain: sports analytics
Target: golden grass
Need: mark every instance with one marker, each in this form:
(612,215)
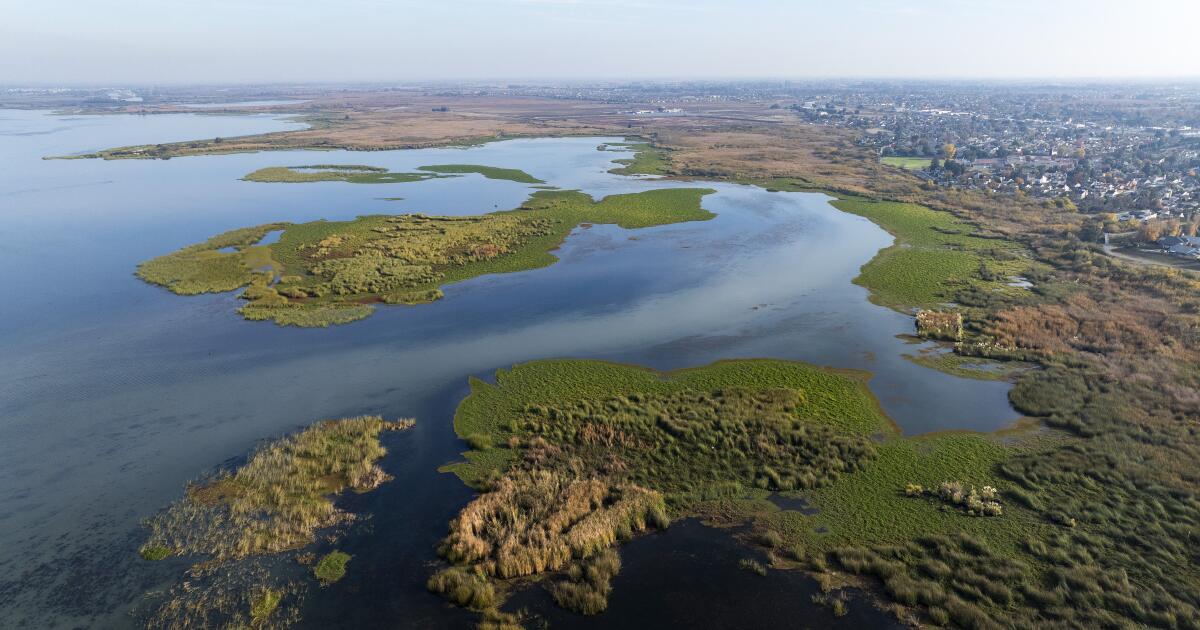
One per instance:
(279,498)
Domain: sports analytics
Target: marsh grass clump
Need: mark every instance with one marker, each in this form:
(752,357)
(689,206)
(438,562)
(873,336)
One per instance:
(280,497)
(264,604)
(984,502)
(587,584)
(536,521)
(154,552)
(753,566)
(944,325)
(331,567)
(465,586)
(328,273)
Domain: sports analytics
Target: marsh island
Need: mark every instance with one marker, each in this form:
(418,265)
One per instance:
(333,272)
(362,174)
(574,456)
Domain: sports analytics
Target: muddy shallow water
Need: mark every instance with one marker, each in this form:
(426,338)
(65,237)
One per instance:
(114,393)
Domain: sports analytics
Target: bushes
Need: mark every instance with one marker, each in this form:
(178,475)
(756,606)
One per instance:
(332,567)
(946,325)
(974,502)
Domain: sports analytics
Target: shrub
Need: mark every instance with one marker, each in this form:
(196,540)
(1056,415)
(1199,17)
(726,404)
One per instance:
(332,567)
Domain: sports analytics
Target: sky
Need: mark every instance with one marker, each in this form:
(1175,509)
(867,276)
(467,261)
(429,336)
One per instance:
(239,41)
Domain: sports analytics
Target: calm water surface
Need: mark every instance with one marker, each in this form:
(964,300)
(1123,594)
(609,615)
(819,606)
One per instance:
(114,393)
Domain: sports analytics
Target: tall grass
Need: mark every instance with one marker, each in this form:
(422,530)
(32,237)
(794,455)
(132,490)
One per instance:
(279,498)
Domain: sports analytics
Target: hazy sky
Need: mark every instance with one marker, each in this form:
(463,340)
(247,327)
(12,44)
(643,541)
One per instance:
(108,41)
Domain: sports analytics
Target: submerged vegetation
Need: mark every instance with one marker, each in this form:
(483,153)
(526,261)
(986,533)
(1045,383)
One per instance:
(323,272)
(235,524)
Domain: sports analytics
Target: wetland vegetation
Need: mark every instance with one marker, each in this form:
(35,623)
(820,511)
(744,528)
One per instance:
(575,456)
(352,173)
(361,174)
(647,159)
(237,527)
(332,272)
(490,172)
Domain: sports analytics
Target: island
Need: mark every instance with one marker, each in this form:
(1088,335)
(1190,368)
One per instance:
(362,174)
(574,456)
(333,272)
(234,524)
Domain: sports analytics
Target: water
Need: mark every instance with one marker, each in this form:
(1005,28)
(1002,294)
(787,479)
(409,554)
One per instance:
(114,393)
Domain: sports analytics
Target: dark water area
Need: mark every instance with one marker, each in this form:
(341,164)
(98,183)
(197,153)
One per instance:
(114,393)
(689,577)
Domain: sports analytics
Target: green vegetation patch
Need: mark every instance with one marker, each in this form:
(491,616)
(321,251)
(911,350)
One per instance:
(562,443)
(907,163)
(490,172)
(935,256)
(647,159)
(207,268)
(353,173)
(265,604)
(325,273)
(332,567)
(575,456)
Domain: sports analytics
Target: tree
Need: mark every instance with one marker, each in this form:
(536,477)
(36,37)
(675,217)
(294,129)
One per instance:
(948,150)
(1150,231)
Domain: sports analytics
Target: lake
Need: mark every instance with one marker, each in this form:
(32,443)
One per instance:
(114,393)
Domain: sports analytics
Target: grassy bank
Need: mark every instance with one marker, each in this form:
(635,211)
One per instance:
(708,441)
(324,273)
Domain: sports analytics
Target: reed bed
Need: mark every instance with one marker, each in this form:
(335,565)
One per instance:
(279,498)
